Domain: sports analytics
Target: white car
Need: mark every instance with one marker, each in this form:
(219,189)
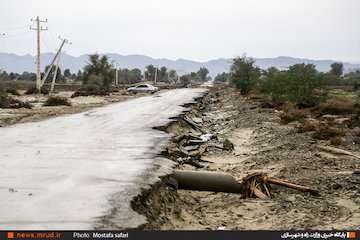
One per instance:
(143,88)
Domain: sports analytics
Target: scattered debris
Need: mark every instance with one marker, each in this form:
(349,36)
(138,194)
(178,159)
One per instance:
(227,145)
(256,184)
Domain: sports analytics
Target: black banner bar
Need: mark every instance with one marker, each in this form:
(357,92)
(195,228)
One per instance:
(180,235)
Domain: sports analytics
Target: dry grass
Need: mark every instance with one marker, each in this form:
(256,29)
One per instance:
(308,125)
(337,106)
(292,113)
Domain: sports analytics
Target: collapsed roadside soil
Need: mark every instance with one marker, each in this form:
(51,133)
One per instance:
(261,144)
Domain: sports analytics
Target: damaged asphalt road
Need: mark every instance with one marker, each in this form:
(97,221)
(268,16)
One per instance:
(81,171)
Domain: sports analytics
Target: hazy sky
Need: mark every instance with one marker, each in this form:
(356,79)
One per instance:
(192,29)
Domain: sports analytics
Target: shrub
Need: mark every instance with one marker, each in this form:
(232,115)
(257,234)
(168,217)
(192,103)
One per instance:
(34,90)
(57,101)
(244,74)
(296,85)
(337,106)
(292,113)
(325,132)
(98,71)
(268,104)
(13,91)
(9,102)
(91,89)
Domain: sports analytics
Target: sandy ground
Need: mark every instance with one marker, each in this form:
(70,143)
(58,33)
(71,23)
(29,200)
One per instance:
(39,112)
(263,144)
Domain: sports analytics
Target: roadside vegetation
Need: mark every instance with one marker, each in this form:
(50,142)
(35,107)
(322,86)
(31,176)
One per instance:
(326,104)
(57,101)
(7,101)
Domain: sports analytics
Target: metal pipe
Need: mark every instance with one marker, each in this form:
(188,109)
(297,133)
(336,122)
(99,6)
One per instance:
(207,181)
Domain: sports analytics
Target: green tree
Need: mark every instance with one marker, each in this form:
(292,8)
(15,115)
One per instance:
(98,71)
(202,74)
(337,68)
(79,76)
(127,76)
(185,79)
(59,76)
(296,84)
(162,74)
(28,76)
(173,76)
(222,77)
(244,74)
(150,72)
(67,73)
(275,84)
(4,75)
(303,79)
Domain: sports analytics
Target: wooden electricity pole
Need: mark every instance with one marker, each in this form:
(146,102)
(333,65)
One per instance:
(116,75)
(55,74)
(38,28)
(155,76)
(53,61)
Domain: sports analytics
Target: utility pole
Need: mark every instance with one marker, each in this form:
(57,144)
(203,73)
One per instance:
(38,28)
(55,74)
(144,74)
(117,77)
(42,81)
(155,76)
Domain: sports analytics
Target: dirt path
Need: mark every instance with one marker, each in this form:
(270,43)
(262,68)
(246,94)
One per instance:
(263,144)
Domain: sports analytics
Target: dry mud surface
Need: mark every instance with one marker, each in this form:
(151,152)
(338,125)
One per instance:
(262,144)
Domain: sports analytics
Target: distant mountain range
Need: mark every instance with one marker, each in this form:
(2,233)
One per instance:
(15,63)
